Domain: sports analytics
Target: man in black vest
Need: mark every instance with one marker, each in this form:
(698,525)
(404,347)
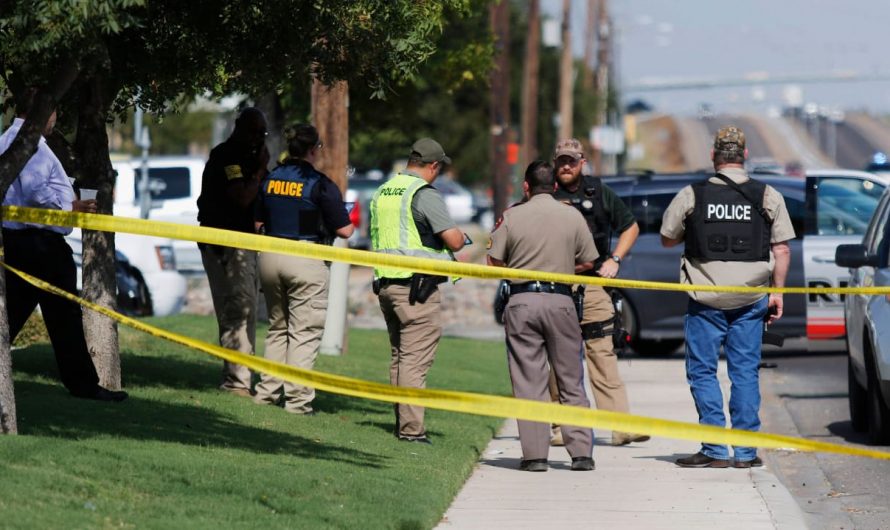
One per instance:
(604,213)
(736,231)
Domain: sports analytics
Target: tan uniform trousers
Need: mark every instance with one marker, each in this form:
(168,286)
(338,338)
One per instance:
(609,392)
(414,333)
(232,275)
(543,328)
(296,292)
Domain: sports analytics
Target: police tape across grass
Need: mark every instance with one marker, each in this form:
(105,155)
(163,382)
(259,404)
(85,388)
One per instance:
(181,454)
(472,403)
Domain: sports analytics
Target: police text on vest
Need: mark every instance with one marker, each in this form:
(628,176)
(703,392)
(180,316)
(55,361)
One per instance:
(729,212)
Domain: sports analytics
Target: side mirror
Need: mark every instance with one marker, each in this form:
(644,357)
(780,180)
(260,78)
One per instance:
(854,256)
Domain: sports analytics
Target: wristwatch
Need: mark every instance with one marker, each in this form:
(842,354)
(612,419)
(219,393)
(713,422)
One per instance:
(616,258)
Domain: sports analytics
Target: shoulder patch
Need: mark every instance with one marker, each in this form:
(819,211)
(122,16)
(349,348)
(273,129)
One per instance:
(233,172)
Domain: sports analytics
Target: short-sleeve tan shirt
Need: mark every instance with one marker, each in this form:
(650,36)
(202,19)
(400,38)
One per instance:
(543,234)
(743,273)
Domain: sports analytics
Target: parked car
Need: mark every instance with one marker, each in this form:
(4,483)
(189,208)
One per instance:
(175,184)
(133,296)
(827,208)
(153,257)
(458,199)
(867,321)
(360,190)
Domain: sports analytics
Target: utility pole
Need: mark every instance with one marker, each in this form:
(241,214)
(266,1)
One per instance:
(602,76)
(499,109)
(566,125)
(589,40)
(530,78)
(330,115)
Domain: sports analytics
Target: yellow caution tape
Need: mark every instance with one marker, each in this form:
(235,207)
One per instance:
(229,238)
(481,404)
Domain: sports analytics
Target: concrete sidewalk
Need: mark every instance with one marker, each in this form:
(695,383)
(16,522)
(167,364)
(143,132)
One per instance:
(635,486)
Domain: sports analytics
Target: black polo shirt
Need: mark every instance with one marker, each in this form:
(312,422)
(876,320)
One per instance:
(229,164)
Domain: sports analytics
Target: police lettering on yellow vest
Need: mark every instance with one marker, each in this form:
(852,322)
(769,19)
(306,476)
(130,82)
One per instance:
(393,230)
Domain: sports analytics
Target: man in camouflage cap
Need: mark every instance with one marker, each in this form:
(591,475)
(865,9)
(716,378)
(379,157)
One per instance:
(730,140)
(735,232)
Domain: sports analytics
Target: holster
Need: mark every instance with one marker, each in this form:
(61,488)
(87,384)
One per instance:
(578,300)
(423,286)
(501,299)
(375,286)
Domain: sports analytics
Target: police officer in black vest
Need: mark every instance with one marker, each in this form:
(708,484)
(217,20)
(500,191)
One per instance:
(298,202)
(605,213)
(736,232)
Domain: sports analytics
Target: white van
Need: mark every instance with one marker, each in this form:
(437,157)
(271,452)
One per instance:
(175,184)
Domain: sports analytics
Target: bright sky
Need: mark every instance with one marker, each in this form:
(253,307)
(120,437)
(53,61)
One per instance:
(708,39)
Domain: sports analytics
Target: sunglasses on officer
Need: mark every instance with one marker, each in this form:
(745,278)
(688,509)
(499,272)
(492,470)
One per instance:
(567,161)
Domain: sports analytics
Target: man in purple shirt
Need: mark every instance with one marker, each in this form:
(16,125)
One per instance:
(41,251)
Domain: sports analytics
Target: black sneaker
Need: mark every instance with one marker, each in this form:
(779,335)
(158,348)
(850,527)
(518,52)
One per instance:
(416,439)
(535,465)
(103,394)
(702,460)
(583,463)
(755,462)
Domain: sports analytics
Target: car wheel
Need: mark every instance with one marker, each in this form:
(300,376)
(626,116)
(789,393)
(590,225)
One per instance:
(144,305)
(858,400)
(644,347)
(878,412)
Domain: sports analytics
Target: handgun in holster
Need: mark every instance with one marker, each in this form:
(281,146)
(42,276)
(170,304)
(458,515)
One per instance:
(501,299)
(423,286)
(578,300)
(770,337)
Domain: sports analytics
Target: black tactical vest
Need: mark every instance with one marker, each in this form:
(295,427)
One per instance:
(725,225)
(291,212)
(588,199)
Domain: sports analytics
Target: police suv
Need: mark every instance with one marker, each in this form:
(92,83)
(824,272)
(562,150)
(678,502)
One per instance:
(827,208)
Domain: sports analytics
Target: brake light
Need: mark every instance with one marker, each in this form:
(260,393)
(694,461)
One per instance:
(355,216)
(166,257)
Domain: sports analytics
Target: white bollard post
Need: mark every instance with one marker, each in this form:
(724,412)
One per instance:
(333,342)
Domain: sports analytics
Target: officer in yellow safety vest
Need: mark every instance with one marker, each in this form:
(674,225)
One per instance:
(409,218)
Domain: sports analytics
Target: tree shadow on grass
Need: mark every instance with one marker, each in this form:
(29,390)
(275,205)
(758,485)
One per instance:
(47,410)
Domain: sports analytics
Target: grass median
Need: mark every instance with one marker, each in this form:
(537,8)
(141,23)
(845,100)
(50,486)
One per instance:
(179,453)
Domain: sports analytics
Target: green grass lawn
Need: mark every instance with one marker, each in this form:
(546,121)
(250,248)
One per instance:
(180,454)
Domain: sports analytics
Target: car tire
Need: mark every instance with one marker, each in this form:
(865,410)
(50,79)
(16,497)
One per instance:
(644,347)
(878,412)
(858,400)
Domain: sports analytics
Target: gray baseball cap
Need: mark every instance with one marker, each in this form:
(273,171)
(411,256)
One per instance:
(430,151)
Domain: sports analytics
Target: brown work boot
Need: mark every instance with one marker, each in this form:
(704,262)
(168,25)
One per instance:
(702,460)
(756,462)
(243,392)
(624,438)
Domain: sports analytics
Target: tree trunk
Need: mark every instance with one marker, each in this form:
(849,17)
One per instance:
(330,114)
(589,41)
(499,109)
(12,161)
(566,125)
(530,77)
(99,280)
(8,424)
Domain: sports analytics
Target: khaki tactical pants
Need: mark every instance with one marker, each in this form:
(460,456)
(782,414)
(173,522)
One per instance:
(232,275)
(296,292)
(609,392)
(414,333)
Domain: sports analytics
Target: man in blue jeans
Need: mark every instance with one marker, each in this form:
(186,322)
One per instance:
(736,232)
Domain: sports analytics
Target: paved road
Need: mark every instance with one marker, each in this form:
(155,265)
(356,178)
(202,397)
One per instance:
(806,395)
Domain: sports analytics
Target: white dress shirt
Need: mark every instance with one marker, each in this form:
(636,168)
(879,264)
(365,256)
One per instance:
(42,183)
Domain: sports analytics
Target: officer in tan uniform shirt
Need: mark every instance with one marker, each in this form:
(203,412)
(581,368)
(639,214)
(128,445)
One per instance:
(736,232)
(541,322)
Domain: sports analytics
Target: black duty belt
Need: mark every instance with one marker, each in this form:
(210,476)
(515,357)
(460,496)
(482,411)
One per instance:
(395,281)
(541,287)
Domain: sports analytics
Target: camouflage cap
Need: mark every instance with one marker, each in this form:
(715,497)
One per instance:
(729,139)
(569,147)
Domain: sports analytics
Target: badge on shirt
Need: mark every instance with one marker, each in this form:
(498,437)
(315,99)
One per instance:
(233,172)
